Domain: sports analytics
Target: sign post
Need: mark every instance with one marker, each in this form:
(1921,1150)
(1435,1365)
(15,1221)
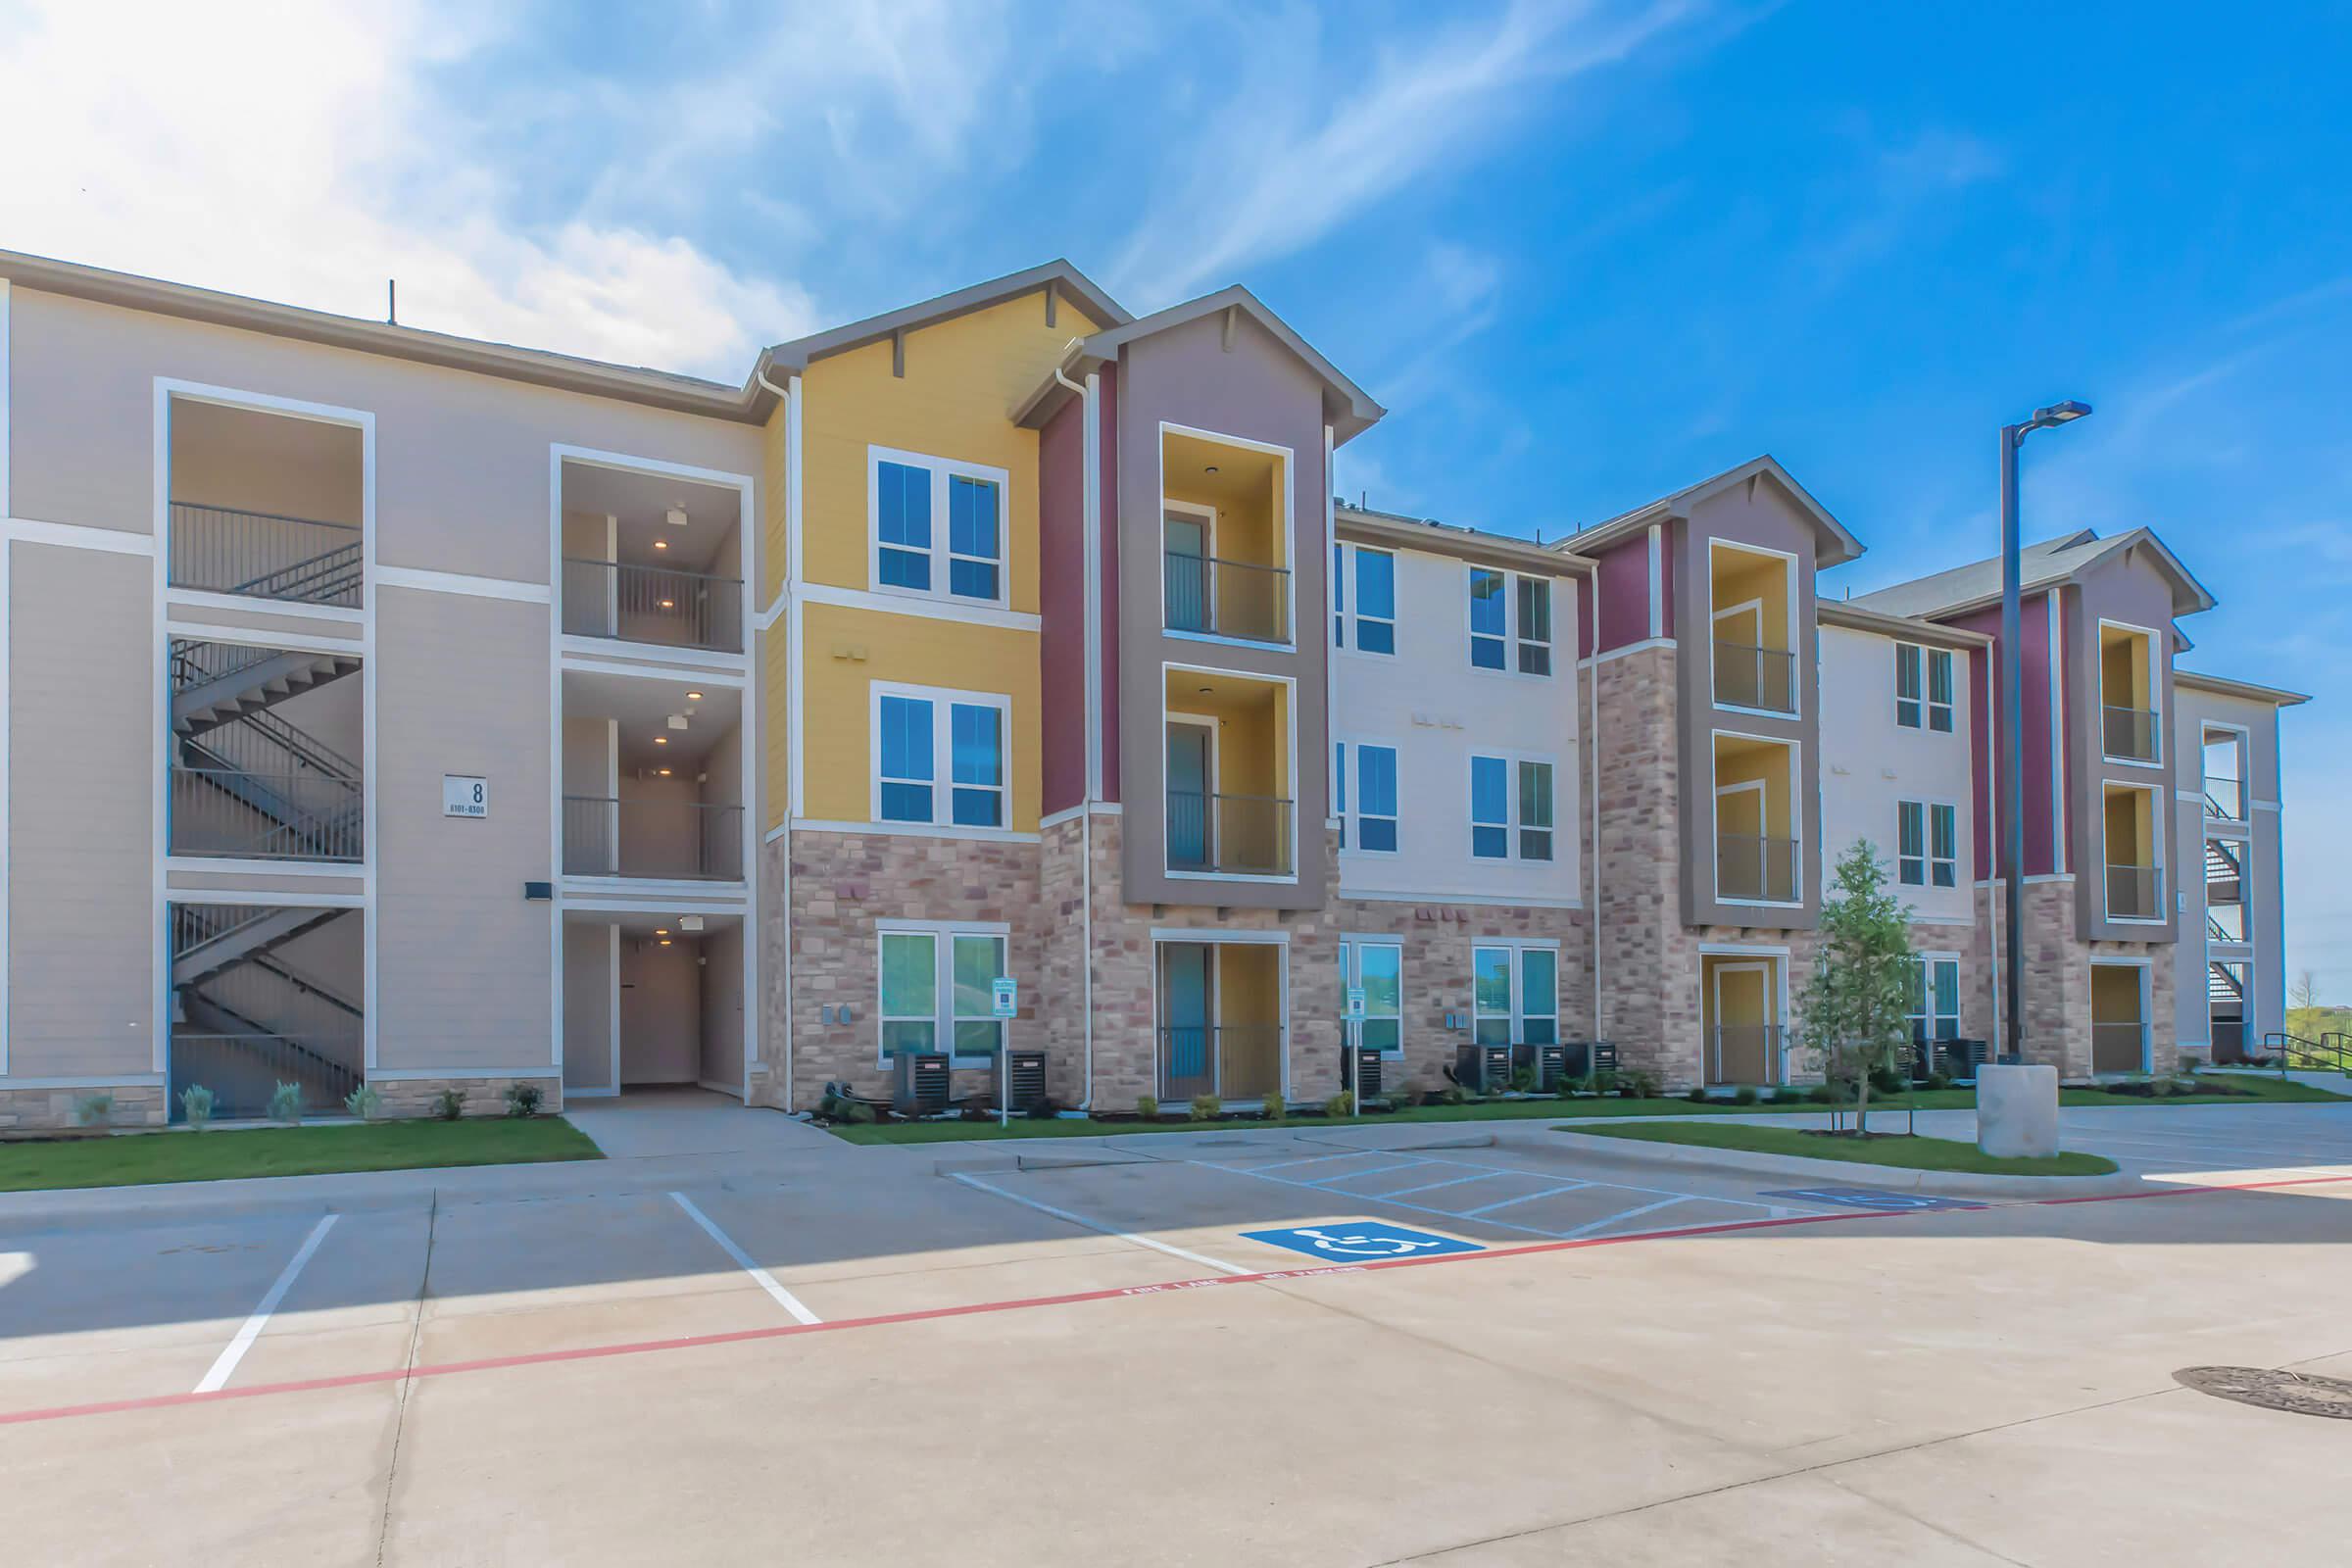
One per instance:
(1004,1001)
(1350,1036)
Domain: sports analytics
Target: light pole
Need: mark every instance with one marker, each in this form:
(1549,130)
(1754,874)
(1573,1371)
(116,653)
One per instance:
(2013,725)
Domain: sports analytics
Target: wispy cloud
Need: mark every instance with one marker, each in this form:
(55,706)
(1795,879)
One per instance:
(1898,186)
(1294,152)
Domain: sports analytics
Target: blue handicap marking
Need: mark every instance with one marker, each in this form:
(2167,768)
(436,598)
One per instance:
(1361,1241)
(1870,1198)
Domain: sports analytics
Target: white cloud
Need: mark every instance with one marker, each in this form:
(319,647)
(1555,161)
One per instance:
(297,154)
(1286,157)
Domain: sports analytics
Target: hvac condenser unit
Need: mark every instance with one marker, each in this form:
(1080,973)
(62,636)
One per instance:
(1483,1069)
(1551,1068)
(918,1084)
(1025,1076)
(1363,1072)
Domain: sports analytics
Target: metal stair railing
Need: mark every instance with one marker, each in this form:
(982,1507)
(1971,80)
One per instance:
(2330,1053)
(265,554)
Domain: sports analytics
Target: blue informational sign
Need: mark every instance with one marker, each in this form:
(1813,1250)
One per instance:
(1870,1198)
(1361,1241)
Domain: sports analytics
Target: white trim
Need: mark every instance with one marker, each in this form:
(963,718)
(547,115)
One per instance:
(257,637)
(1286,491)
(1796,819)
(590,652)
(252,605)
(1789,592)
(613,892)
(913,830)
(4,506)
(1513,634)
(905,602)
(2059,848)
(75,535)
(942,936)
(1216,935)
(1290,684)
(943,702)
(613,963)
(342,871)
(1518,948)
(1090,512)
(942,472)
(1657,584)
(1623,649)
(1352,790)
(970,928)
(1071,813)
(734,679)
(2154,642)
(1514,820)
(1351,973)
(120,1080)
(1457,896)
(408,1075)
(457,582)
(8,706)
(1928,858)
(767,620)
(269,898)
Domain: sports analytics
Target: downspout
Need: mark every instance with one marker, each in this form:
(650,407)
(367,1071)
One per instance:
(784,913)
(1592,765)
(1090,522)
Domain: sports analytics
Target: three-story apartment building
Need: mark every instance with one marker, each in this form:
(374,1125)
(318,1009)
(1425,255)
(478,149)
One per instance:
(447,716)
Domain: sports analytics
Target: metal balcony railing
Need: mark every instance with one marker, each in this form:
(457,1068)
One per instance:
(265,555)
(1756,868)
(243,1072)
(1229,835)
(1763,678)
(2225,800)
(679,840)
(2135,892)
(299,816)
(1235,1061)
(1745,1054)
(2130,733)
(653,605)
(1227,597)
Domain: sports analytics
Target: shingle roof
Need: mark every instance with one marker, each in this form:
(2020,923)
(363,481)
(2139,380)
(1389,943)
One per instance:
(2039,566)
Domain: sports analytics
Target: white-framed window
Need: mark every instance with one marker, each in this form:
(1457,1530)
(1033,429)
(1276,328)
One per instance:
(1371,825)
(940,756)
(1516,994)
(937,991)
(1927,844)
(1935,1009)
(938,526)
(1511,808)
(1508,608)
(1379,969)
(1923,687)
(1364,580)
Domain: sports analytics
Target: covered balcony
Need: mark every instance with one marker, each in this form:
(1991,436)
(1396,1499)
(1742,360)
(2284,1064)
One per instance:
(1225,539)
(1227,759)
(652,779)
(1751,595)
(1221,1026)
(2224,762)
(650,559)
(1742,1031)
(2119,1017)
(2129,721)
(266,506)
(2135,878)
(1755,822)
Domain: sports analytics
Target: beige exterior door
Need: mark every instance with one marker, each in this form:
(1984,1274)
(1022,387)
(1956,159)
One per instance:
(1743,1044)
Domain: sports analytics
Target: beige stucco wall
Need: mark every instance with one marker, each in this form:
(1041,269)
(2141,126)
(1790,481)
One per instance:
(722,1008)
(587,1005)
(661,1010)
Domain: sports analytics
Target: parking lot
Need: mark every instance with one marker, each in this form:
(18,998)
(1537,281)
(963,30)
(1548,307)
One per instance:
(1354,1345)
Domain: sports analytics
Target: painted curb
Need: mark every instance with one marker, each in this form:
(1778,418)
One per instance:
(1854,1173)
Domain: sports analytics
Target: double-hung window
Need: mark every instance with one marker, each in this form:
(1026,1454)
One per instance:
(1511,809)
(1935,1009)
(1534,626)
(1515,995)
(937,528)
(938,993)
(1366,580)
(1923,687)
(1489,614)
(1378,968)
(1508,611)
(915,729)
(1926,845)
(1375,795)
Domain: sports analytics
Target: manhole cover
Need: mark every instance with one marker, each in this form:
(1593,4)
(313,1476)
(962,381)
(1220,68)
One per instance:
(2296,1393)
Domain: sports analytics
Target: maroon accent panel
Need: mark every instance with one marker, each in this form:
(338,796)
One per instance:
(2035,655)
(1623,583)
(1585,627)
(1980,756)
(1061,605)
(2065,762)
(1109,400)
(1669,546)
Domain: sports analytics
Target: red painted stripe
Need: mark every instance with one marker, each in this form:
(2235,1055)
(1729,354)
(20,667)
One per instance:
(781,1331)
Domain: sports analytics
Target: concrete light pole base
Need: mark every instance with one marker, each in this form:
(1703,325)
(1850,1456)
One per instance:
(2017,1110)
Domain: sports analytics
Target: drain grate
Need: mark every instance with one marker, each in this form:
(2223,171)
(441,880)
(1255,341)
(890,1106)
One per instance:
(2295,1392)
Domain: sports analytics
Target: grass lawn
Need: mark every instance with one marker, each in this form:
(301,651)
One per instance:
(212,1156)
(2258,1091)
(1911,1153)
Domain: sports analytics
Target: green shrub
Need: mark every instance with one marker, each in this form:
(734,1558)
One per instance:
(1341,1103)
(1697,1094)
(1146,1106)
(1453,1094)
(1744,1094)
(94,1110)
(1206,1108)
(1828,1093)
(1637,1084)
(448,1104)
(856,1112)
(522,1099)
(196,1105)
(363,1101)
(285,1102)
(1604,1082)
(1789,1096)
(1274,1107)
(1044,1110)
(1887,1081)
(1523,1082)
(1938,1080)
(1404,1096)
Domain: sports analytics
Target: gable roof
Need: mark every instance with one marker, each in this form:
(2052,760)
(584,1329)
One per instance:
(1347,408)
(1835,542)
(1057,275)
(1394,530)
(2041,566)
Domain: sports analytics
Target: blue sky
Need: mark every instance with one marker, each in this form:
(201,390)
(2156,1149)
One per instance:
(1586,253)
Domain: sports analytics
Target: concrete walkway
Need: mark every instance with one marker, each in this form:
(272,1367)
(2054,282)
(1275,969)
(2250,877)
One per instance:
(645,1122)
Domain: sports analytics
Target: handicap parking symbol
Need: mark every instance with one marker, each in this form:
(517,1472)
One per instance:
(1361,1241)
(1870,1198)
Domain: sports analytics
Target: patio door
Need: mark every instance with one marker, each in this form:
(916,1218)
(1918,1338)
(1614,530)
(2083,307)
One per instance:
(1188,568)
(1187,1002)
(1743,1049)
(1192,837)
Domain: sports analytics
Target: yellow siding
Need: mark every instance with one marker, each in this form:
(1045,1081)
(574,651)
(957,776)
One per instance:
(848,650)
(964,379)
(775,719)
(776,527)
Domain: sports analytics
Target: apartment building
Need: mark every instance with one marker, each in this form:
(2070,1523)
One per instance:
(448,716)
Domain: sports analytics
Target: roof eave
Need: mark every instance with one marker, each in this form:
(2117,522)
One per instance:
(796,356)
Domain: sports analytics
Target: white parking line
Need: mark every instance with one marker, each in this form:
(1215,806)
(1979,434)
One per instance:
(1311,1159)
(1110,1230)
(226,1361)
(760,1276)
(1451,1181)
(1524,1198)
(1366,1198)
(1377,1170)
(1631,1213)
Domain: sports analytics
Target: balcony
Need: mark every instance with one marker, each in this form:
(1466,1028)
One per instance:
(1228,742)
(1229,835)
(1235,599)
(674,839)
(2131,728)
(651,559)
(653,605)
(1762,678)
(1756,869)
(2135,892)
(2135,881)
(1219,1029)
(2130,733)
(652,779)
(265,506)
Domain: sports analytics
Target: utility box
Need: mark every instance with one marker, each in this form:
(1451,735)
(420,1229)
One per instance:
(919,1083)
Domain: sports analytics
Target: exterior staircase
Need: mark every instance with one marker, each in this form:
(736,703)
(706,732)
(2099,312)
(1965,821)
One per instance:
(247,782)
(245,1019)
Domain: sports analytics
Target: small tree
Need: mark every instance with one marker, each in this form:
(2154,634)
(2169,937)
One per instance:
(2304,993)
(1857,1004)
